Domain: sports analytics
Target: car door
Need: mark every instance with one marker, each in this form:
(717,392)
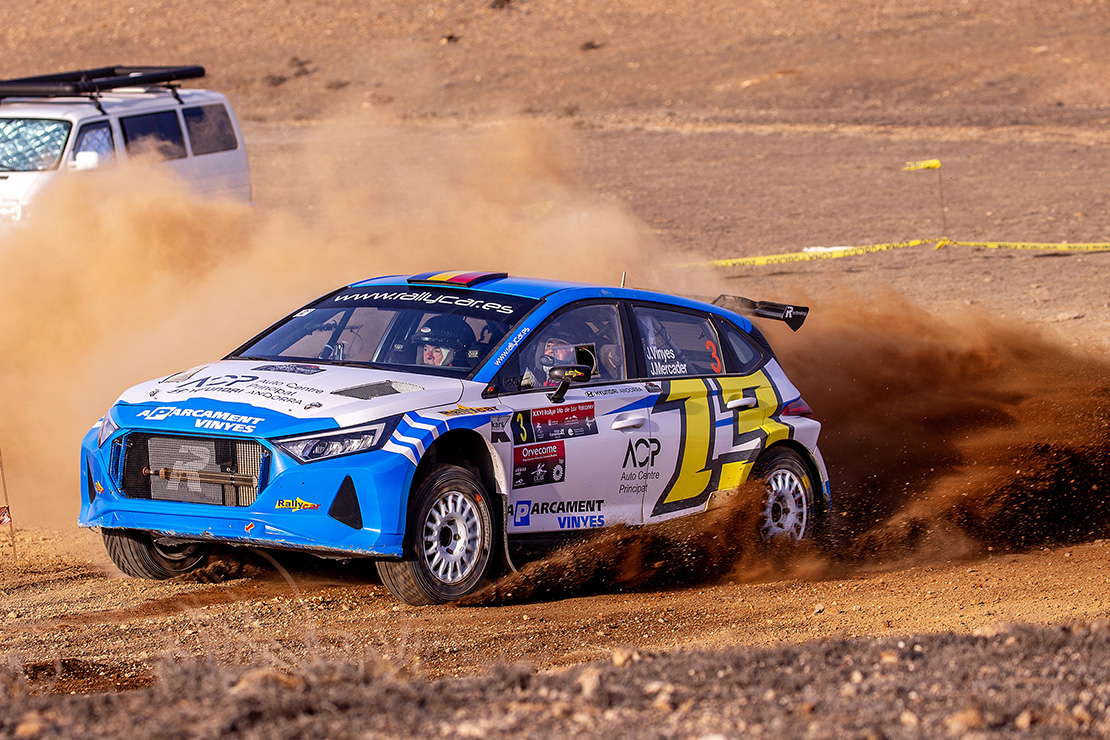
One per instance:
(712,414)
(564,458)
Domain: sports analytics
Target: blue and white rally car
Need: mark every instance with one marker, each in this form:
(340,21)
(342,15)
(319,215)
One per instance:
(445,423)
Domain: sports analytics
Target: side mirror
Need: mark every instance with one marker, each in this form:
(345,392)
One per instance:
(565,375)
(86,160)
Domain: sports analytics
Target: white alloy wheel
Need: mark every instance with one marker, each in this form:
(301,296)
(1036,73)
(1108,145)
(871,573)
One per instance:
(451,537)
(787,510)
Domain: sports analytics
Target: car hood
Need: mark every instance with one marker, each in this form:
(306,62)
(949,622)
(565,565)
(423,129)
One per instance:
(19,187)
(273,399)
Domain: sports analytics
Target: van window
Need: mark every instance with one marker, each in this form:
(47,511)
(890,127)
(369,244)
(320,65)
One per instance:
(31,144)
(96,137)
(210,129)
(160,129)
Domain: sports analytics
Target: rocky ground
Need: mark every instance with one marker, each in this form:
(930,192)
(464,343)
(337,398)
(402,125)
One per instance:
(963,390)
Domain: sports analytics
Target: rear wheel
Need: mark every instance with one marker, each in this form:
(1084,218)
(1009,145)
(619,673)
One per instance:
(789,510)
(451,535)
(140,555)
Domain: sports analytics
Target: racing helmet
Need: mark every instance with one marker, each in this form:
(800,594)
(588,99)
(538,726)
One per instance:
(448,332)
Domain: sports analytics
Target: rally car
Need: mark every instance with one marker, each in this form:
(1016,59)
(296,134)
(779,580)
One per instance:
(446,424)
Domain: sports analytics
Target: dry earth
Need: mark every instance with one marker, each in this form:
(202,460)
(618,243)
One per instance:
(662,133)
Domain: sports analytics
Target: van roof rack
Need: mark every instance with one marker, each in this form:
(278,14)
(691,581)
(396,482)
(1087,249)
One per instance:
(91,82)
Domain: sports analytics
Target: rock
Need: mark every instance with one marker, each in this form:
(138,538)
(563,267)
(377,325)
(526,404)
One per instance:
(909,719)
(590,681)
(1024,720)
(969,719)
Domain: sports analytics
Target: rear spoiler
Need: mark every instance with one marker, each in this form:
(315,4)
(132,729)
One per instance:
(794,316)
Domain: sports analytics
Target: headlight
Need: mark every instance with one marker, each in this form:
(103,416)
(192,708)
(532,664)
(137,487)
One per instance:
(10,210)
(107,429)
(345,442)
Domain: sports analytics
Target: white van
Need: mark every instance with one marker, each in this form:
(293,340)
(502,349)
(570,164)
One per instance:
(92,118)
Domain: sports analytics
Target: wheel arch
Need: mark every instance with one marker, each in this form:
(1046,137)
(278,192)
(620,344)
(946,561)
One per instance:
(468,449)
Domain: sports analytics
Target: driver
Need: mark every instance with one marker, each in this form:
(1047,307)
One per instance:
(442,339)
(557,348)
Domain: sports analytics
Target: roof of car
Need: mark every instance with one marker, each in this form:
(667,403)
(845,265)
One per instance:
(535,288)
(116,102)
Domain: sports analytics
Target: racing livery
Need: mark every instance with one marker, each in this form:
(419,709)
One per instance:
(445,424)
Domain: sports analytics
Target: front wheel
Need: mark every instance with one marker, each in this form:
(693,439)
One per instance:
(789,510)
(139,555)
(449,544)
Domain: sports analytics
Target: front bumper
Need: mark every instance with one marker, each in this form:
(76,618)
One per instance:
(297,508)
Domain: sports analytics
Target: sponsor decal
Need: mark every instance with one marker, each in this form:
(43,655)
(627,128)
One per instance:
(467,410)
(638,466)
(522,511)
(289,368)
(252,385)
(497,426)
(566,513)
(597,393)
(220,421)
(663,361)
(216,384)
(296,504)
(249,528)
(641,452)
(539,465)
(555,422)
(5,515)
(652,387)
(581,522)
(513,343)
(99,488)
(429,298)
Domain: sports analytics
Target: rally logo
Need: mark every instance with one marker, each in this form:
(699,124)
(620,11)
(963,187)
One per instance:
(296,504)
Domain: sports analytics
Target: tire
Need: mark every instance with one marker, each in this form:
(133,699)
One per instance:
(139,556)
(789,510)
(449,543)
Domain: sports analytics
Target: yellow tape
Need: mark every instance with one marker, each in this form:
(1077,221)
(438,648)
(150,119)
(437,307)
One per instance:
(1062,247)
(824,254)
(828,253)
(923,164)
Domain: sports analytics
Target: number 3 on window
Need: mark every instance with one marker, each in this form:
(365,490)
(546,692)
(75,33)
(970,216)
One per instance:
(715,366)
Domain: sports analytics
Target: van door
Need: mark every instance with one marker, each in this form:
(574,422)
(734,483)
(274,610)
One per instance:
(219,157)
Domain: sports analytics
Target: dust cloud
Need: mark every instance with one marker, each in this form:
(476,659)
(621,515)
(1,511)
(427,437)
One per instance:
(125,275)
(943,436)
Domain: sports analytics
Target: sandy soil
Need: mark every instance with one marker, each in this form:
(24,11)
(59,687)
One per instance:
(665,134)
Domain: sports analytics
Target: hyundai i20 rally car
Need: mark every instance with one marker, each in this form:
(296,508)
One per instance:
(444,424)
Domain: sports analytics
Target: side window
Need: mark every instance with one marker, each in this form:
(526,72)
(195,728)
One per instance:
(158,131)
(210,129)
(744,348)
(96,137)
(675,343)
(579,334)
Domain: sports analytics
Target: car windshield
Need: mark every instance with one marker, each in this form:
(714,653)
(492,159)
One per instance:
(413,328)
(31,144)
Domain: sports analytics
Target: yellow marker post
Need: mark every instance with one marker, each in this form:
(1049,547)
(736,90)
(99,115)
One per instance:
(932,164)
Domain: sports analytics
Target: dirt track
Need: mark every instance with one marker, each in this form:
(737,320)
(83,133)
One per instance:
(752,131)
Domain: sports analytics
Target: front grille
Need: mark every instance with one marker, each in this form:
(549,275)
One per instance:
(200,470)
